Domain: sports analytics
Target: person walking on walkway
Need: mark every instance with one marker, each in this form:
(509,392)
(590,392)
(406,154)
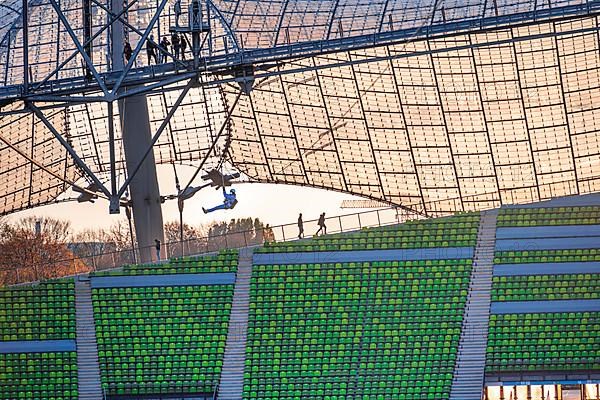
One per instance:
(321,224)
(300,227)
(157,247)
(151,50)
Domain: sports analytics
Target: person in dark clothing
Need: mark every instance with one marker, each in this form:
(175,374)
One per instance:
(127,51)
(177,10)
(321,224)
(164,47)
(157,247)
(151,50)
(300,227)
(184,44)
(176,43)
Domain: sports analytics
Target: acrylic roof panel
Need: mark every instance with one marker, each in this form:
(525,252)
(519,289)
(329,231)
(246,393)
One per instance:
(460,128)
(459,121)
(266,23)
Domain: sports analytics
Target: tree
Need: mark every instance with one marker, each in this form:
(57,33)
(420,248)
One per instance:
(172,232)
(193,239)
(34,249)
(235,233)
(94,247)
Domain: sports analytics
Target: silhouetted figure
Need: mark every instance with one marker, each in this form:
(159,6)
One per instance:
(268,234)
(175,40)
(177,11)
(127,51)
(164,47)
(184,44)
(151,50)
(228,202)
(300,227)
(321,224)
(157,247)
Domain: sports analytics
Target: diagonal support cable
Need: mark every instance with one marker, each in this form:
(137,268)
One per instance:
(80,48)
(214,143)
(139,46)
(69,149)
(155,138)
(43,167)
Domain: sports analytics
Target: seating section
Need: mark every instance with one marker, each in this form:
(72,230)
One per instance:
(225,261)
(546,256)
(548,341)
(38,312)
(546,287)
(378,330)
(161,340)
(549,216)
(456,231)
(38,376)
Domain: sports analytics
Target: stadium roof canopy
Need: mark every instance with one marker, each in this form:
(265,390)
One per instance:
(442,105)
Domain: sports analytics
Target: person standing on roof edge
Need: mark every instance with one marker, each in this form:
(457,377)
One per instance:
(176,44)
(184,44)
(151,50)
(127,51)
(164,48)
(177,11)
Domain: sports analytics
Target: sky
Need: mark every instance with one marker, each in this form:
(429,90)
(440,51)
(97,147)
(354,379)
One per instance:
(273,204)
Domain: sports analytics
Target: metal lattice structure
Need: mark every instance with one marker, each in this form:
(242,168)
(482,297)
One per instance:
(467,104)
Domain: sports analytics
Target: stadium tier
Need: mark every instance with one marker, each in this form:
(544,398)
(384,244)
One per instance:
(225,261)
(41,312)
(355,330)
(544,342)
(520,217)
(161,340)
(547,256)
(381,313)
(457,231)
(38,323)
(30,376)
(546,287)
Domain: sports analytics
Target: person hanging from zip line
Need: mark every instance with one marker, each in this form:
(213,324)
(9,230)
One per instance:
(229,202)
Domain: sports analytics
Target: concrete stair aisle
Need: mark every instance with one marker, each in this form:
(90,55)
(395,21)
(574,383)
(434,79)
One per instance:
(88,369)
(469,371)
(232,374)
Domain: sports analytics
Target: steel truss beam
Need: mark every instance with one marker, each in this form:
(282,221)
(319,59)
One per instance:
(86,43)
(218,68)
(43,167)
(80,48)
(134,29)
(138,48)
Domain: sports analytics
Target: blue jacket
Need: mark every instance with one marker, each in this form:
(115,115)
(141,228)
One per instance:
(229,199)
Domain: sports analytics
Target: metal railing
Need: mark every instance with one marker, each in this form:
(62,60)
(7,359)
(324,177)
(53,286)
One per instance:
(84,263)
